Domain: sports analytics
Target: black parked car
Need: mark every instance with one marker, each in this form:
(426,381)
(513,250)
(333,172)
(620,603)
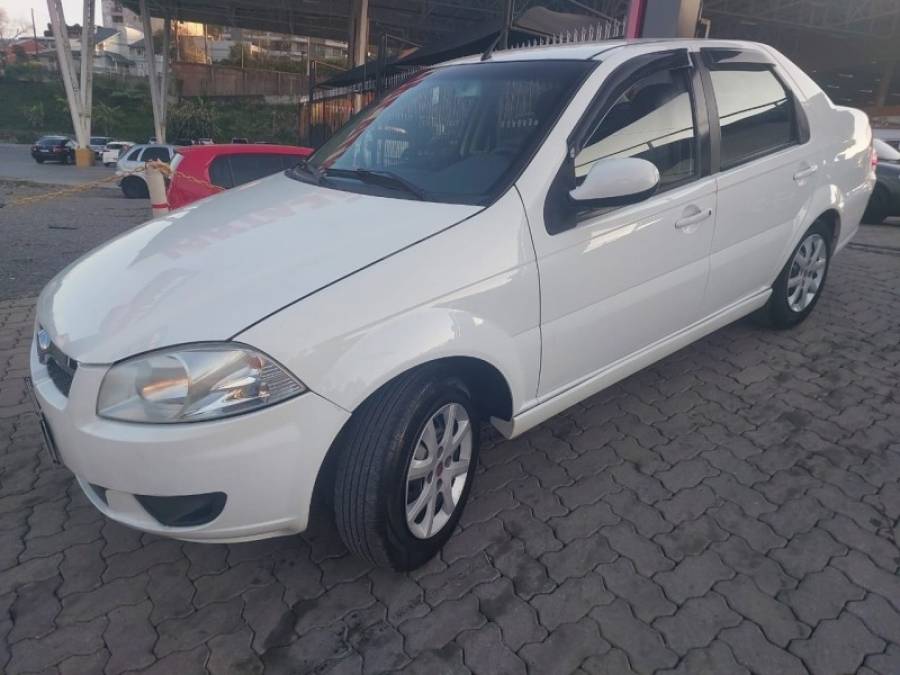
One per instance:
(885,199)
(53,149)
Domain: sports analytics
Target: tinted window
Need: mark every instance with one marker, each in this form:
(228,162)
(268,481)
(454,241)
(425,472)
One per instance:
(155,153)
(52,140)
(133,155)
(245,168)
(755,114)
(653,120)
(220,172)
(456,133)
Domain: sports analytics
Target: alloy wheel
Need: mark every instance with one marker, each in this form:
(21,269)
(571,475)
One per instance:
(807,272)
(438,470)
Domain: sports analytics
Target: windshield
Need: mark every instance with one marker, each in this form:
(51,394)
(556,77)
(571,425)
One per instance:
(454,134)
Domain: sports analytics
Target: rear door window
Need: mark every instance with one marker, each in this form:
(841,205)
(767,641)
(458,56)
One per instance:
(756,114)
(245,168)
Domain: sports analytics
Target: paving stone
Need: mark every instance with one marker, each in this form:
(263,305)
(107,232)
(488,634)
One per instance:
(716,659)
(571,600)
(760,536)
(82,568)
(431,631)
(691,537)
(878,548)
(204,559)
(693,576)
(583,521)
(689,504)
(448,660)
(130,638)
(34,610)
(300,576)
(192,662)
(647,488)
(697,622)
(485,651)
(231,654)
(29,572)
(332,605)
(838,646)
(96,603)
(268,616)
(473,540)
(723,459)
(578,557)
(863,572)
(527,574)
(134,562)
(587,490)
(643,645)
(565,648)
(886,663)
(613,662)
(171,591)
(765,572)
(458,579)
(647,520)
(379,643)
(516,619)
(485,508)
(776,619)
(751,501)
(78,639)
(808,552)
(231,583)
(878,616)
(822,595)
(188,632)
(403,598)
(89,663)
(343,569)
(646,555)
(862,514)
(685,474)
(645,596)
(752,650)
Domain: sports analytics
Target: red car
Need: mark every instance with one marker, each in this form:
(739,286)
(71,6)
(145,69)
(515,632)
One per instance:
(225,166)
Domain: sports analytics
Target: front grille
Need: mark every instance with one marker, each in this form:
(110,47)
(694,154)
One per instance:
(60,368)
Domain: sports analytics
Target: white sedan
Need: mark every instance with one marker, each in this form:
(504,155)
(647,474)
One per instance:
(113,150)
(492,242)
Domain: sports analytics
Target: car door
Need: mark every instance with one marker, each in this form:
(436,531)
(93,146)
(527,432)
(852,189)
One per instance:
(767,171)
(615,281)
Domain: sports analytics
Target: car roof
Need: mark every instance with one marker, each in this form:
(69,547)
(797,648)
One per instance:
(586,51)
(242,149)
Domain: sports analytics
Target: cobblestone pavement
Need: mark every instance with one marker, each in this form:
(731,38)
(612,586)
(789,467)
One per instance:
(732,509)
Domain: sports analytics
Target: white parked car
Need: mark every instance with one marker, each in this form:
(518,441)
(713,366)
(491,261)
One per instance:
(494,241)
(134,185)
(113,150)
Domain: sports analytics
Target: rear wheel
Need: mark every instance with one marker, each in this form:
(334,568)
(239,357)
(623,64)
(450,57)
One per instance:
(877,208)
(406,467)
(134,188)
(799,286)
(39,160)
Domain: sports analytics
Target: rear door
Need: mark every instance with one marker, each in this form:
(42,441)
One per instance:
(767,171)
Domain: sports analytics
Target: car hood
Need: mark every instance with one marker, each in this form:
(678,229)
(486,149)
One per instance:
(211,269)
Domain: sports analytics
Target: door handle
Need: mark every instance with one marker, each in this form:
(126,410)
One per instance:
(687,221)
(806,173)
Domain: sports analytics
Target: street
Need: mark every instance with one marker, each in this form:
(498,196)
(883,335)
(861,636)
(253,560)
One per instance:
(732,509)
(16,163)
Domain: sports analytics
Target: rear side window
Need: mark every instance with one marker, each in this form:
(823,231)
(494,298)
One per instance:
(652,120)
(133,155)
(246,168)
(220,172)
(155,153)
(756,114)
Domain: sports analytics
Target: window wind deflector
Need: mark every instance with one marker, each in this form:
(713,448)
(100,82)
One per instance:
(302,171)
(733,59)
(386,179)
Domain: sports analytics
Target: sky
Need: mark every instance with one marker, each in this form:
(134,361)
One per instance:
(19,11)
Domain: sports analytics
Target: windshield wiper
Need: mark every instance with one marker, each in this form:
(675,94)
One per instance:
(387,179)
(304,167)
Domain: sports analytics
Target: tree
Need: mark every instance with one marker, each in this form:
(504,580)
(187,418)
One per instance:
(104,116)
(191,119)
(8,32)
(34,115)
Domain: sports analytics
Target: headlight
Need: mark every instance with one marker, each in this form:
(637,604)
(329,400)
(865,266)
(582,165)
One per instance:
(193,383)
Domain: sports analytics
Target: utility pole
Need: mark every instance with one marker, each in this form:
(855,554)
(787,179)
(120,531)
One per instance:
(34,32)
(87,79)
(67,70)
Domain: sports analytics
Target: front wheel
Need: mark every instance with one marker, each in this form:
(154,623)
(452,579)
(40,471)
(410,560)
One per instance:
(799,286)
(39,160)
(406,467)
(134,188)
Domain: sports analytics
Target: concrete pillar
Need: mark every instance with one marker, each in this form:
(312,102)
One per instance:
(884,87)
(84,156)
(67,69)
(150,56)
(359,25)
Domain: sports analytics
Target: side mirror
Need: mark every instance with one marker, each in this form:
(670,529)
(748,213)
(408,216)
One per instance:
(617,181)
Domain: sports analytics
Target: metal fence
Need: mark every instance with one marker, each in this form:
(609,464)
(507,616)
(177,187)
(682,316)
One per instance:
(328,109)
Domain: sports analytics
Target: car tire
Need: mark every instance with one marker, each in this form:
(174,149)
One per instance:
(397,495)
(134,188)
(801,281)
(39,160)
(877,208)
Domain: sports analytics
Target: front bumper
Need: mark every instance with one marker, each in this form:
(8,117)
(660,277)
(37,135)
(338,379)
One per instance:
(265,462)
